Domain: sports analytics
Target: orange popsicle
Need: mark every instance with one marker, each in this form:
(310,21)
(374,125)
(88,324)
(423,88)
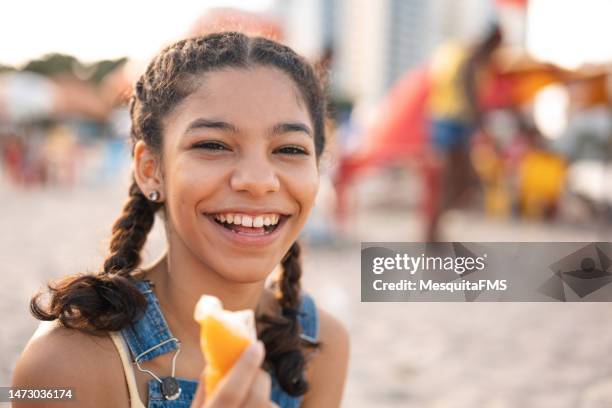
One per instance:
(223,337)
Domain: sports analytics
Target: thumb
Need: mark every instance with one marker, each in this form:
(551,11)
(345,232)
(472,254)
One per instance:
(233,388)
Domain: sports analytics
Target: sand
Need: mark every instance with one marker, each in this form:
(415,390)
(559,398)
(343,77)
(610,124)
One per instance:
(493,355)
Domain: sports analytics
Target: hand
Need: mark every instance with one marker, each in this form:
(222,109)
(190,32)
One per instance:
(245,386)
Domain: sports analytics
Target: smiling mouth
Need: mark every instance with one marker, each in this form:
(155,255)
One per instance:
(252,226)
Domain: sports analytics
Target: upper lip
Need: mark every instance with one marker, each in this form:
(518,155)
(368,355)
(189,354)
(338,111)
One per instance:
(248,211)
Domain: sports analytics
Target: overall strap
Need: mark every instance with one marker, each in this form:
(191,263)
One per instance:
(150,336)
(308,318)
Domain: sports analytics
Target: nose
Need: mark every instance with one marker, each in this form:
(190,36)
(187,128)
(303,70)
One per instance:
(255,175)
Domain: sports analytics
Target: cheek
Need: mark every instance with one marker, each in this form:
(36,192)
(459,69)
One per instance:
(189,181)
(304,187)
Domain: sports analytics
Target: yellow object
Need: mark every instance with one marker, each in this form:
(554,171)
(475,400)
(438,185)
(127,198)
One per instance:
(490,169)
(541,181)
(497,201)
(224,335)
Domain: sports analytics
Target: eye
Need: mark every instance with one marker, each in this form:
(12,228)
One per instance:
(210,146)
(293,150)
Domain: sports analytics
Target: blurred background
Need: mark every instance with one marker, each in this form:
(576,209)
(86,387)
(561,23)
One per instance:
(451,120)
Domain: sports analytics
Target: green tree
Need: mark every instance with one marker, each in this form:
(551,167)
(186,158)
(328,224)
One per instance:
(6,68)
(53,64)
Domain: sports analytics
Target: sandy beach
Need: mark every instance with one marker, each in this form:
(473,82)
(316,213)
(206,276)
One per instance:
(492,355)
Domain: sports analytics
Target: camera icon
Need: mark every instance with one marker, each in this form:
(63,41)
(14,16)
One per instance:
(583,271)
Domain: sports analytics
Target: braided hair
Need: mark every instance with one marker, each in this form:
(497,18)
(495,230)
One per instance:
(108,300)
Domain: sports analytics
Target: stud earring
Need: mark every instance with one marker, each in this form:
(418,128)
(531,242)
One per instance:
(154,195)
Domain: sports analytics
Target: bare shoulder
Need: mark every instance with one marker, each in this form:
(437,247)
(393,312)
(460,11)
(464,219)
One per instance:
(56,357)
(329,366)
(332,332)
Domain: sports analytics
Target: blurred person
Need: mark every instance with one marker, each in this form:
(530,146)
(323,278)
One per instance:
(13,158)
(227,133)
(61,153)
(35,164)
(457,75)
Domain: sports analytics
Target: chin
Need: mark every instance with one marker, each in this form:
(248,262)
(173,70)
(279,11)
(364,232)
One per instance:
(249,273)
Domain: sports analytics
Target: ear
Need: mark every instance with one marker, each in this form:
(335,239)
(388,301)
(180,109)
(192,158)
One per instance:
(147,170)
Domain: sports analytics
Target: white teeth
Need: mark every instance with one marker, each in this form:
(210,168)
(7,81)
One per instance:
(247,221)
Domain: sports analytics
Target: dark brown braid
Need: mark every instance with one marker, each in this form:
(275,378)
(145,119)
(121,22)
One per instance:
(130,232)
(109,300)
(282,334)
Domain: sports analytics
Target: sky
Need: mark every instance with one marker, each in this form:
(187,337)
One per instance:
(93,30)
(570,32)
(567,32)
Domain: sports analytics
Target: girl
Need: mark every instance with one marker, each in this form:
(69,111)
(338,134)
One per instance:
(227,132)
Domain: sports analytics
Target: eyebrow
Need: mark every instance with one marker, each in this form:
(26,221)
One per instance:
(203,123)
(291,127)
(279,129)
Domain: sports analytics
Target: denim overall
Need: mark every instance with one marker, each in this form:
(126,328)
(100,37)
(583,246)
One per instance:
(150,337)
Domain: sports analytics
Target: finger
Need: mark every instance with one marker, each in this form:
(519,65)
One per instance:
(233,388)
(259,393)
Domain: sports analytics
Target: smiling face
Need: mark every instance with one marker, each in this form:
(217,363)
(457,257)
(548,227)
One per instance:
(239,171)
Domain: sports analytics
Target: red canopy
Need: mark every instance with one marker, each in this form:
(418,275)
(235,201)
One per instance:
(399,130)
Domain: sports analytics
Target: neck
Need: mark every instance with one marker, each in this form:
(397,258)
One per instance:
(179,284)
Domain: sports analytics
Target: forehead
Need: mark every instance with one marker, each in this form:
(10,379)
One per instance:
(251,97)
